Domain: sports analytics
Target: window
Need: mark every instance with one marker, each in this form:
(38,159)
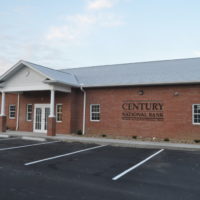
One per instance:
(59,112)
(12,111)
(29,110)
(196,114)
(94,112)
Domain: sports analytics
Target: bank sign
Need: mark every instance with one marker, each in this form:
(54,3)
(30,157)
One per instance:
(143,110)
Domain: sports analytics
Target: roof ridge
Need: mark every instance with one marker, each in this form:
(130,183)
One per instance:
(165,60)
(47,67)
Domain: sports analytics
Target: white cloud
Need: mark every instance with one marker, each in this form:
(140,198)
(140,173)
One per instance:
(54,46)
(61,32)
(197,53)
(95,5)
(100,4)
(78,26)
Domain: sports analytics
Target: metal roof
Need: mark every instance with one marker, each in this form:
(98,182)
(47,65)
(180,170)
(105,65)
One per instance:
(177,71)
(55,75)
(51,74)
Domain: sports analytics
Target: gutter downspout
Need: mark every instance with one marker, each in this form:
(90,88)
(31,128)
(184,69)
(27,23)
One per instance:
(18,107)
(84,107)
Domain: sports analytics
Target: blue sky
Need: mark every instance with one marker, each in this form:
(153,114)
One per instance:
(65,33)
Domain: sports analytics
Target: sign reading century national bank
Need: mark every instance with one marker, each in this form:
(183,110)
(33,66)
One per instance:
(143,110)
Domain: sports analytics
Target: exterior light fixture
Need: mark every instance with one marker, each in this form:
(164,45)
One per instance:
(176,93)
(141,92)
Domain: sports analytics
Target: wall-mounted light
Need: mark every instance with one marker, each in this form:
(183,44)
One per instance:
(176,93)
(141,92)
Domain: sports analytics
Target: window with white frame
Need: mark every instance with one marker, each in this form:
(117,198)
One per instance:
(12,111)
(29,110)
(59,112)
(94,112)
(196,114)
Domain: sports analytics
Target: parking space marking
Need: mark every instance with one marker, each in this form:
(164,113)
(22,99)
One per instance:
(63,155)
(29,145)
(135,166)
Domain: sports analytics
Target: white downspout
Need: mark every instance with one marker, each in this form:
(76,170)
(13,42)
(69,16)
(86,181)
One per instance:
(18,107)
(3,103)
(84,107)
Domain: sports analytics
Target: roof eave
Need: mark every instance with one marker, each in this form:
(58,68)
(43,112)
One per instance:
(144,84)
(15,68)
(60,82)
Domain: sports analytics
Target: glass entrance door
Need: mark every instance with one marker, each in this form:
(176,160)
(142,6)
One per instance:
(41,114)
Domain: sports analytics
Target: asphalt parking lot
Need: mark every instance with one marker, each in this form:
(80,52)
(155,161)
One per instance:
(60,170)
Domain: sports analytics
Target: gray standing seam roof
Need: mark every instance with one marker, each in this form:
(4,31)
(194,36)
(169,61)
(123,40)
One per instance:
(56,75)
(177,71)
(143,73)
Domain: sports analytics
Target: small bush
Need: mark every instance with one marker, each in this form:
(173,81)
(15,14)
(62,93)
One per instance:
(134,137)
(79,132)
(197,141)
(104,135)
(166,139)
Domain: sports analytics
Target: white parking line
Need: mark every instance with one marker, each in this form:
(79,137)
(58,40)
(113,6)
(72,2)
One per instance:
(64,155)
(29,145)
(135,166)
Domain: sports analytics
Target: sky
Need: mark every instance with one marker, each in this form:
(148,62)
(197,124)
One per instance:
(76,33)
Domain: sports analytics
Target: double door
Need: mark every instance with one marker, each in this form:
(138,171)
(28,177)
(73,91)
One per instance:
(41,114)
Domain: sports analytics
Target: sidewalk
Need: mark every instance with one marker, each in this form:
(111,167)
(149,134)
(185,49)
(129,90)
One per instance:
(107,141)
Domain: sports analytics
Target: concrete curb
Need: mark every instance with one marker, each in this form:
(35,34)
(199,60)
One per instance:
(33,138)
(4,136)
(133,144)
(113,142)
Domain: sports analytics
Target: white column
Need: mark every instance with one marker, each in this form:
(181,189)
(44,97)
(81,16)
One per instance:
(52,103)
(18,107)
(3,104)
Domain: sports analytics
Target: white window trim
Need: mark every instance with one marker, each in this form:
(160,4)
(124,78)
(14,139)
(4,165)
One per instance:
(194,123)
(28,120)
(94,120)
(59,104)
(10,111)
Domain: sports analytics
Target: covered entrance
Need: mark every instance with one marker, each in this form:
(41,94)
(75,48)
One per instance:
(28,77)
(41,113)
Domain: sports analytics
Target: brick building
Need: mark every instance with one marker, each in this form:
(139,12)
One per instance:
(149,99)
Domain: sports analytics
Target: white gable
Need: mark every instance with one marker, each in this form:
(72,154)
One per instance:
(26,79)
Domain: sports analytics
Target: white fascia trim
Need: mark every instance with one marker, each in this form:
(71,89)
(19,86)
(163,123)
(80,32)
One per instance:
(144,84)
(10,70)
(26,64)
(60,83)
(28,88)
(62,89)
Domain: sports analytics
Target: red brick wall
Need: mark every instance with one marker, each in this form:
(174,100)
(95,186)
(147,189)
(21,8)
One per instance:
(177,121)
(10,99)
(76,110)
(38,98)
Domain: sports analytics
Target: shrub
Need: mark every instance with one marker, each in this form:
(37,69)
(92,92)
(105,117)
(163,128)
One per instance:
(79,132)
(197,141)
(166,139)
(104,135)
(134,137)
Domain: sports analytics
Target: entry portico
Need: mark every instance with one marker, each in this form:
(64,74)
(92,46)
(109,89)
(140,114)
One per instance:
(27,77)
